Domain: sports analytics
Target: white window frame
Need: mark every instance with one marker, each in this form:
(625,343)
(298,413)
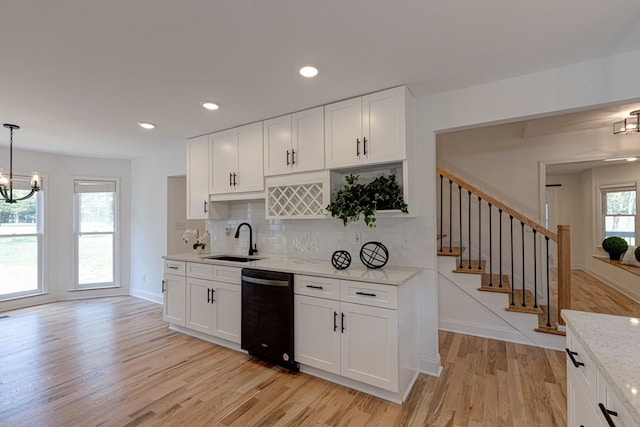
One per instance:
(39,234)
(602,190)
(116,235)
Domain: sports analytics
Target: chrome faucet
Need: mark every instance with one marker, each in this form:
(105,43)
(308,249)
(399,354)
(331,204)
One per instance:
(253,249)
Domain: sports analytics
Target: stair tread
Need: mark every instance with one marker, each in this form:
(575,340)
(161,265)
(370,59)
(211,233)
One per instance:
(451,251)
(495,281)
(477,267)
(528,307)
(542,323)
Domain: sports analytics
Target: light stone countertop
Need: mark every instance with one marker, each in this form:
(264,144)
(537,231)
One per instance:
(613,343)
(388,275)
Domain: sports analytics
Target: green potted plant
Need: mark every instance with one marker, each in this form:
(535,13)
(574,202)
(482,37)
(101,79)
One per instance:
(615,246)
(355,199)
(637,253)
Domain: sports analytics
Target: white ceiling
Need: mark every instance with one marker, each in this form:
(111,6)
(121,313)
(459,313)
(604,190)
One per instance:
(77,75)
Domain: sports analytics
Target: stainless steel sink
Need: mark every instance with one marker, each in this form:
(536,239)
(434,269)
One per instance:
(234,258)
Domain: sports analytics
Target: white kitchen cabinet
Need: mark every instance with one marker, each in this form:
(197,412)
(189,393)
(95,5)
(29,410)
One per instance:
(173,291)
(236,161)
(581,412)
(369,129)
(198,204)
(294,143)
(214,306)
(317,332)
(369,345)
(612,405)
(356,341)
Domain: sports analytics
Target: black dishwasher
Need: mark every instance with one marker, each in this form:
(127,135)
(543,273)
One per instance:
(267,316)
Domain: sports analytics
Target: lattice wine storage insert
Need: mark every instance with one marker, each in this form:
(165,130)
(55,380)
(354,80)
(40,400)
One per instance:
(301,200)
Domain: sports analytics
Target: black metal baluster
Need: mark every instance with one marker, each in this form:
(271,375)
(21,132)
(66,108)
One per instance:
(524,297)
(479,233)
(512,271)
(450,216)
(460,219)
(535,270)
(490,250)
(441,219)
(548,294)
(469,229)
(500,279)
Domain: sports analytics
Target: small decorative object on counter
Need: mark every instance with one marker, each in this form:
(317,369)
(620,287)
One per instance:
(341,259)
(374,254)
(195,240)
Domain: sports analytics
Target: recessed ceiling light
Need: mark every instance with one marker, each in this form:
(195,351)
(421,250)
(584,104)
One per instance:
(146,125)
(210,105)
(616,159)
(308,71)
(631,159)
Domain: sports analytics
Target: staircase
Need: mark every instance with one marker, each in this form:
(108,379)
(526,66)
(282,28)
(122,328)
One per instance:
(507,274)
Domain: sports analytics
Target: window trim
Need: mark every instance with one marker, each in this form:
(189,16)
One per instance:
(116,236)
(41,237)
(601,214)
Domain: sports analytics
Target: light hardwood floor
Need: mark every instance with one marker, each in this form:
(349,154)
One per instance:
(113,361)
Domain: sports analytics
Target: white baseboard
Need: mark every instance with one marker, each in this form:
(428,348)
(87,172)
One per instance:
(431,366)
(146,295)
(485,331)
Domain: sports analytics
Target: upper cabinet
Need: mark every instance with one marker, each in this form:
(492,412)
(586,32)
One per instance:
(236,161)
(367,130)
(294,143)
(198,204)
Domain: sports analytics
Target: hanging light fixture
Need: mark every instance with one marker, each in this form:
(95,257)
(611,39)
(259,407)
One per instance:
(6,184)
(628,125)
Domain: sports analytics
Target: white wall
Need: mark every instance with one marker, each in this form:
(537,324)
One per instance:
(149,219)
(58,173)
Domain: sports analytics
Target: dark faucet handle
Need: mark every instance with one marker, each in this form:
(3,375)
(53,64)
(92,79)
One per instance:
(254,250)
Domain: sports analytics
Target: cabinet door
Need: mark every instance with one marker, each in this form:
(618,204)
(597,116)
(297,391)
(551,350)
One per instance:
(250,163)
(612,403)
(580,409)
(342,131)
(277,145)
(199,305)
(224,161)
(174,299)
(227,311)
(383,126)
(369,345)
(198,178)
(308,140)
(317,332)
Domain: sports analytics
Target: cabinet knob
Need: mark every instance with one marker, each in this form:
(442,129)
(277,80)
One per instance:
(607,414)
(293,157)
(205,206)
(230,176)
(364,145)
(288,163)
(573,359)
(358,147)
(163,286)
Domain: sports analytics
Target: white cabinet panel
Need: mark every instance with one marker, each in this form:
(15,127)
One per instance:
(370,345)
(307,140)
(174,304)
(317,332)
(200,309)
(224,160)
(367,130)
(277,145)
(227,311)
(198,178)
(250,175)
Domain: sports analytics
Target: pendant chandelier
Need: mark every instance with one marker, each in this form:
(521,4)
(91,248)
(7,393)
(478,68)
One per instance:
(6,184)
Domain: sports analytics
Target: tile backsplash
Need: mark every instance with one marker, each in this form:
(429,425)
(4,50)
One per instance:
(405,238)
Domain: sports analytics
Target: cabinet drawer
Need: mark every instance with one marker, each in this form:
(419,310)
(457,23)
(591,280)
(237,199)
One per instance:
(227,274)
(174,267)
(385,296)
(200,271)
(321,287)
(584,374)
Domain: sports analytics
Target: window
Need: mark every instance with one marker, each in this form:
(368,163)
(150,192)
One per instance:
(619,212)
(96,226)
(21,243)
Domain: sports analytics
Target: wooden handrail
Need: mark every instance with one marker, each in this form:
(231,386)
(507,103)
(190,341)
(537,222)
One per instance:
(484,196)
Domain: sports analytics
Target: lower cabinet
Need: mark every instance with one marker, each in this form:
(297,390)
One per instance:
(214,308)
(356,341)
(173,293)
(204,298)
